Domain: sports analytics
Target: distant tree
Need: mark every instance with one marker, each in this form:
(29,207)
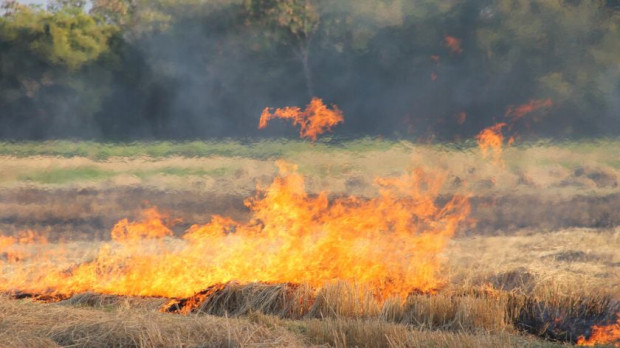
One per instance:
(49,79)
(292,22)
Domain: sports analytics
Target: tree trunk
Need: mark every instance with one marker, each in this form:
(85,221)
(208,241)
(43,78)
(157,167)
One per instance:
(304,56)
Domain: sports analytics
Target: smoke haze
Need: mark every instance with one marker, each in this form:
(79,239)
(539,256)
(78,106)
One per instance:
(415,69)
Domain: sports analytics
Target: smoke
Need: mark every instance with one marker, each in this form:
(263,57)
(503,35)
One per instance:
(391,66)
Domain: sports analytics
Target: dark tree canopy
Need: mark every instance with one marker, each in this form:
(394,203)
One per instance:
(185,69)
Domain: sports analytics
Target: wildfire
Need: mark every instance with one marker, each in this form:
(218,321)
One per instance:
(514,113)
(491,140)
(16,248)
(389,244)
(603,335)
(316,119)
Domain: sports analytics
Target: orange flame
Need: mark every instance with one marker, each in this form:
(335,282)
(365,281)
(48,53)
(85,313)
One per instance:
(390,243)
(16,248)
(492,137)
(314,120)
(461,117)
(517,112)
(491,140)
(453,44)
(603,335)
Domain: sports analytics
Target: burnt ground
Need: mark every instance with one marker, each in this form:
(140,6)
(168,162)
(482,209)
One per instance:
(91,213)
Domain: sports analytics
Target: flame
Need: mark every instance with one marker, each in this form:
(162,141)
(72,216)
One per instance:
(314,120)
(453,44)
(490,142)
(390,243)
(152,228)
(517,112)
(16,248)
(603,335)
(461,117)
(492,138)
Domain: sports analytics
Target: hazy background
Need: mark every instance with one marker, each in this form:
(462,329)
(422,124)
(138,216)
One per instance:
(417,69)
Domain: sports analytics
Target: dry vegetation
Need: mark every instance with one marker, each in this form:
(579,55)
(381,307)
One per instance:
(539,267)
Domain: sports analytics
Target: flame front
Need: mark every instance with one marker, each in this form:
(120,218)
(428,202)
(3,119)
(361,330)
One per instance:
(603,335)
(316,119)
(389,244)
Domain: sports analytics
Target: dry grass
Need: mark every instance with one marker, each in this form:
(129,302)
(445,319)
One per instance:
(556,169)
(539,274)
(499,293)
(25,324)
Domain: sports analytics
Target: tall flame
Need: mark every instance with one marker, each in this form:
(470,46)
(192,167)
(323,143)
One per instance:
(390,244)
(316,119)
(490,141)
(603,335)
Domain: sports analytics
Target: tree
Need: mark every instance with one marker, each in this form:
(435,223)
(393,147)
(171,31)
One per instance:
(50,80)
(292,22)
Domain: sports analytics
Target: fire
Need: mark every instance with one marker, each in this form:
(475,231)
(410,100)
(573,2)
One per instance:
(461,117)
(316,119)
(517,112)
(603,335)
(491,140)
(390,244)
(453,44)
(16,248)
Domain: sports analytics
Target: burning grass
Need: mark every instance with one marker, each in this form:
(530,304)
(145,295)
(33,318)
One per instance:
(510,289)
(28,324)
(337,314)
(389,244)
(551,316)
(488,307)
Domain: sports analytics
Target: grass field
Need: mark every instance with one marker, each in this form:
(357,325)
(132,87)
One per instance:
(537,265)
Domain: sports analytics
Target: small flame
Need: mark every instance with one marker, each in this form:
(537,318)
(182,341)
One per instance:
(453,44)
(461,117)
(17,248)
(490,141)
(492,138)
(603,335)
(316,119)
(514,113)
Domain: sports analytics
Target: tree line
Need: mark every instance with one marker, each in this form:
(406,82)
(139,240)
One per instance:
(419,69)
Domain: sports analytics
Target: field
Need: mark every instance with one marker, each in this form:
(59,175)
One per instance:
(535,263)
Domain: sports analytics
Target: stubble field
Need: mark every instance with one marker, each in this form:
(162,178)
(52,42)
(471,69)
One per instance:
(536,262)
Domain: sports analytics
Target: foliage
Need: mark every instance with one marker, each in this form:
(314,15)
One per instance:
(170,69)
(67,37)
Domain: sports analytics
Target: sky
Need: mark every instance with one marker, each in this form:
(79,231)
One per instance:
(41,2)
